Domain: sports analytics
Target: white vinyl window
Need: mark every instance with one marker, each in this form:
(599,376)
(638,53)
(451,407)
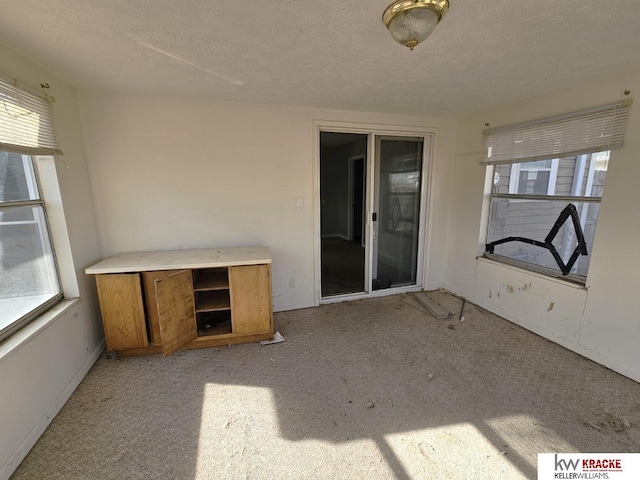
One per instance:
(544,211)
(534,177)
(28,274)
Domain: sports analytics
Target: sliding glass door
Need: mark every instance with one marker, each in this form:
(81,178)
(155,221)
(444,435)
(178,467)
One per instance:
(396,227)
(371,201)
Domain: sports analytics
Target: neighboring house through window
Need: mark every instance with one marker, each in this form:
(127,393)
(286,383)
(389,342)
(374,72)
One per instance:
(548,181)
(534,177)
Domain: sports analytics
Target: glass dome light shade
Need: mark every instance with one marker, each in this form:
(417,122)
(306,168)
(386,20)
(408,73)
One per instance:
(412,21)
(413,26)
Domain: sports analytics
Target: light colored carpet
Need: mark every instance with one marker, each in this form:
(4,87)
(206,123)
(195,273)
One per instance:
(372,389)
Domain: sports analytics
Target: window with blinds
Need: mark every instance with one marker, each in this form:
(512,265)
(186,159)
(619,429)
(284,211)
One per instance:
(28,273)
(549,176)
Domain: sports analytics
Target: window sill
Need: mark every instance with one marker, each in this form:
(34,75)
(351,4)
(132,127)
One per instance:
(574,283)
(35,327)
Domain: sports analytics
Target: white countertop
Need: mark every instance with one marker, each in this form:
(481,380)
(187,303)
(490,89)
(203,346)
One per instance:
(178,259)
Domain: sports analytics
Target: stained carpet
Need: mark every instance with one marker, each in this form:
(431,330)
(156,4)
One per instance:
(373,389)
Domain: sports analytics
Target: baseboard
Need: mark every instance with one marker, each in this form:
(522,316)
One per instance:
(335,235)
(567,343)
(608,362)
(292,306)
(27,444)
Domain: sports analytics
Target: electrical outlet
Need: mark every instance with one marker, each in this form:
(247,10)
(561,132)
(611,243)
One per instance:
(292,282)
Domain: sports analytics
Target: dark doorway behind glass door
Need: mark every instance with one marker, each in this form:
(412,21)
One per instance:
(342,200)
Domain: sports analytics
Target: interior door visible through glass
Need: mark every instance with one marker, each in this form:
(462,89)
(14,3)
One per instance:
(398,183)
(343,193)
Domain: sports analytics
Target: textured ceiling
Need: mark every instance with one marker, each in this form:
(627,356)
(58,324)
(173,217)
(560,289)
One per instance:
(326,54)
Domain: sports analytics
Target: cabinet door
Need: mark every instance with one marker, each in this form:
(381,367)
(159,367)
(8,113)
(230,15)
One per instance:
(148,280)
(250,290)
(176,311)
(120,297)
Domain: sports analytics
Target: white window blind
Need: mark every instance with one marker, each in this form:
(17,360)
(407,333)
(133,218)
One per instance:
(594,130)
(26,122)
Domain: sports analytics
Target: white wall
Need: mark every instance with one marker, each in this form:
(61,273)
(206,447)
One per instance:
(177,173)
(42,364)
(600,321)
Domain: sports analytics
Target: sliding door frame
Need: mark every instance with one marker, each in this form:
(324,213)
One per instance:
(373,130)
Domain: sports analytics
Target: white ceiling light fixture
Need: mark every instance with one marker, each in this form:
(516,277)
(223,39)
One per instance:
(412,21)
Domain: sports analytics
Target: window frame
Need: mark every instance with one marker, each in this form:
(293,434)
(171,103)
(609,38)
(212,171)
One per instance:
(550,197)
(36,201)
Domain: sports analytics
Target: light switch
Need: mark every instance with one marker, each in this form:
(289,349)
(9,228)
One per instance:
(299,202)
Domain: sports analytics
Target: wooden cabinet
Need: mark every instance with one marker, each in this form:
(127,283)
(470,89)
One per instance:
(250,305)
(121,303)
(159,302)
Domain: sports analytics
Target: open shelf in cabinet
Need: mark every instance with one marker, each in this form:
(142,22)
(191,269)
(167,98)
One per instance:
(210,279)
(212,301)
(214,323)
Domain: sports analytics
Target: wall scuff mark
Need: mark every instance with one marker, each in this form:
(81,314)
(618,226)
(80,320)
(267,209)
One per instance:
(526,287)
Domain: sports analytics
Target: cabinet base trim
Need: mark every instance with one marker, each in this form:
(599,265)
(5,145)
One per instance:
(200,342)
